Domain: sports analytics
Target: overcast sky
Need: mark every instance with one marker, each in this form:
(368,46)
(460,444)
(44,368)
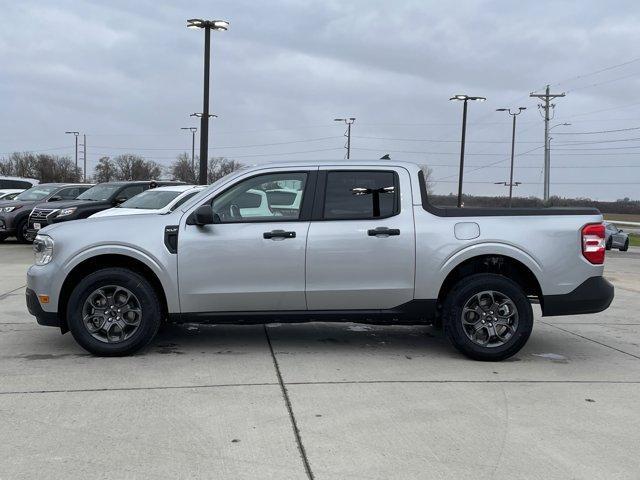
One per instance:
(128,74)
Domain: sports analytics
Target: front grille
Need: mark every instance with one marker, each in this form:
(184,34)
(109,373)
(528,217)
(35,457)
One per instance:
(40,214)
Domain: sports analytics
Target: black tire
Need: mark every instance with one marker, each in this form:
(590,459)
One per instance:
(608,244)
(21,231)
(151,315)
(3,237)
(626,246)
(467,288)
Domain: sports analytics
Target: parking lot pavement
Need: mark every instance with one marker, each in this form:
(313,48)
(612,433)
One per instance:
(323,401)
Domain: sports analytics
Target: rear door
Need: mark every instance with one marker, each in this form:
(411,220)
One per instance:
(361,242)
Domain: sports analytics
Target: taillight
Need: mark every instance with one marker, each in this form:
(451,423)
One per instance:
(593,243)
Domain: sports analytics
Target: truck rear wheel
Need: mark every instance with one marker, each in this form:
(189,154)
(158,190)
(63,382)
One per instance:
(487,317)
(113,312)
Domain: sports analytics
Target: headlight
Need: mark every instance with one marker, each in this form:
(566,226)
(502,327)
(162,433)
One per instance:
(66,211)
(43,249)
(10,209)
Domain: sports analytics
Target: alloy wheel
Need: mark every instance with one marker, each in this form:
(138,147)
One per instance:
(111,314)
(489,318)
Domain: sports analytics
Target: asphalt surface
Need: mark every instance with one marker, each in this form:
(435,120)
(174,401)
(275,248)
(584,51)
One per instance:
(322,401)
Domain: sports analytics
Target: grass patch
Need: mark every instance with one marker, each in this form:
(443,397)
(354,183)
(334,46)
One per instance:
(634,240)
(622,217)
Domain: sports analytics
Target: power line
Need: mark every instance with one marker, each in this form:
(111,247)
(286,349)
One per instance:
(435,141)
(605,69)
(598,131)
(603,82)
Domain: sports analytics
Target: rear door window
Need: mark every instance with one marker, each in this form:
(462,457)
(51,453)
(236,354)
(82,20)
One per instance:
(361,195)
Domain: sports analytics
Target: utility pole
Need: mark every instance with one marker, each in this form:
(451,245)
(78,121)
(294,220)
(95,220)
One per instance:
(513,145)
(84,157)
(349,121)
(193,131)
(75,134)
(546,106)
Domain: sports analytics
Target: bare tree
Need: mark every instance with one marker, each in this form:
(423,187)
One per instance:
(44,167)
(219,167)
(428,178)
(134,167)
(105,170)
(183,170)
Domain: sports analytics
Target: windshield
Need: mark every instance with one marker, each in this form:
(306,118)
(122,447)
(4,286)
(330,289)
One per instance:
(99,193)
(37,193)
(151,199)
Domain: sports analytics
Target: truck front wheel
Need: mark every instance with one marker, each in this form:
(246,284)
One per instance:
(113,312)
(487,317)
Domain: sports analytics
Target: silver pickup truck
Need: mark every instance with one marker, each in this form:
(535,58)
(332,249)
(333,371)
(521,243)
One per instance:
(358,241)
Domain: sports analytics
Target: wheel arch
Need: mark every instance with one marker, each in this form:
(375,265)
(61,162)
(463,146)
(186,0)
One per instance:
(500,264)
(106,260)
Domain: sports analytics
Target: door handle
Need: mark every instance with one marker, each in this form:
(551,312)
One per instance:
(374,232)
(278,234)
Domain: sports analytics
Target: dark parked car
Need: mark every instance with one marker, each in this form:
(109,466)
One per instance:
(14,214)
(97,198)
(615,238)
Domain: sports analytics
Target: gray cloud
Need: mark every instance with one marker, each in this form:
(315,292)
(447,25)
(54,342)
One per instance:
(129,74)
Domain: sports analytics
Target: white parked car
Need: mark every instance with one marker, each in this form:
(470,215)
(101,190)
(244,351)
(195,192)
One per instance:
(157,200)
(10,193)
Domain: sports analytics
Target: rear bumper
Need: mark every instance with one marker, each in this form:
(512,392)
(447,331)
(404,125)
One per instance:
(592,296)
(49,319)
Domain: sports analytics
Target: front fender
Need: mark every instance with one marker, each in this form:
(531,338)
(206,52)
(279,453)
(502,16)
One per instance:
(165,272)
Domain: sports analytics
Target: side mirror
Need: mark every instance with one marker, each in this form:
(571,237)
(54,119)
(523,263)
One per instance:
(202,216)
(55,198)
(621,231)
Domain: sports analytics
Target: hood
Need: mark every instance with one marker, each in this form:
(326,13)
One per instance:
(113,212)
(13,203)
(69,203)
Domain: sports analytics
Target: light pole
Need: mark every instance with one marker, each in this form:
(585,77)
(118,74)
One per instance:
(513,145)
(207,25)
(193,131)
(75,134)
(465,99)
(349,121)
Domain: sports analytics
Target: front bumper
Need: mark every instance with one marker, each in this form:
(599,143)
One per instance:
(7,227)
(49,319)
(592,296)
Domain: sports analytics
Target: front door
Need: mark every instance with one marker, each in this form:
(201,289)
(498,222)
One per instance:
(361,245)
(253,258)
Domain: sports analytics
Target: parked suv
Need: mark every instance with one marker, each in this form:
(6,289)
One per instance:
(364,244)
(14,214)
(99,197)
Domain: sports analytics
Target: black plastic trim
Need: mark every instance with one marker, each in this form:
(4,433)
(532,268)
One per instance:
(592,296)
(495,212)
(171,238)
(48,319)
(411,313)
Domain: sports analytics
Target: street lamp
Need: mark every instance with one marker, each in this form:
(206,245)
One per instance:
(349,121)
(207,25)
(193,131)
(513,145)
(75,134)
(465,99)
